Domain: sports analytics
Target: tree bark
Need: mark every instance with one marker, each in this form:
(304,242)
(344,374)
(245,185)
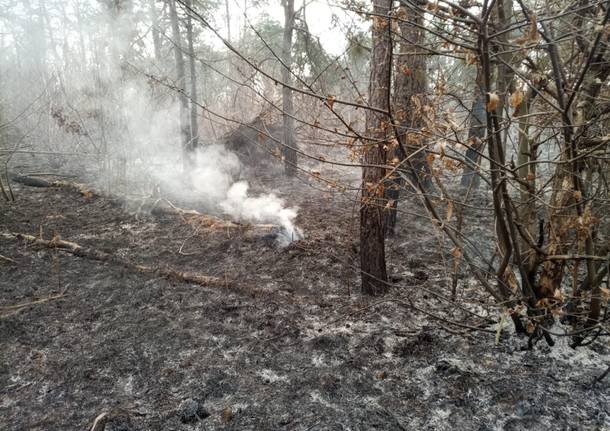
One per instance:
(194,141)
(288,141)
(503,15)
(378,128)
(156,35)
(228,20)
(476,136)
(181,85)
(410,83)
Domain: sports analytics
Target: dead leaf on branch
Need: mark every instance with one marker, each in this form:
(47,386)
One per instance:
(493,100)
(531,34)
(406,70)
(451,165)
(449,210)
(511,279)
(401,13)
(605,294)
(471,58)
(379,23)
(516,99)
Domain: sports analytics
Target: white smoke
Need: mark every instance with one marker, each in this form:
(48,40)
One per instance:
(133,122)
(267,208)
(215,183)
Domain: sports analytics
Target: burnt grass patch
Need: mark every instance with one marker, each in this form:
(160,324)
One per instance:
(287,344)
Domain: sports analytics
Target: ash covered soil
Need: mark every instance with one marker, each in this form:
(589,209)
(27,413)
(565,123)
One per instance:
(287,345)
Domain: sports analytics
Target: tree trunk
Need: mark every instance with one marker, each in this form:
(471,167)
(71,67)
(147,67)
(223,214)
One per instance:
(503,15)
(288,141)
(81,37)
(526,158)
(156,35)
(36,40)
(410,83)
(476,136)
(181,85)
(228,20)
(194,143)
(372,241)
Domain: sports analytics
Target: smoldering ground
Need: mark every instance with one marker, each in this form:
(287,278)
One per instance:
(288,345)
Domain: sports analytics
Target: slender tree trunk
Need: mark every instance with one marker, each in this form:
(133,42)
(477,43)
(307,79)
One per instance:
(193,74)
(526,158)
(181,85)
(156,34)
(476,136)
(288,141)
(372,240)
(564,200)
(81,37)
(35,36)
(228,20)
(503,14)
(410,83)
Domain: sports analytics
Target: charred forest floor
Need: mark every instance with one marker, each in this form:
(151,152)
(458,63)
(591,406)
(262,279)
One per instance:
(286,344)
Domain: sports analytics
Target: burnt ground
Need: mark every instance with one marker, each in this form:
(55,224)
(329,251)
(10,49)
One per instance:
(288,345)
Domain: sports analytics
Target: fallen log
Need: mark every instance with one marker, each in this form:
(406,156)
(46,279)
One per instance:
(30,181)
(211,221)
(33,181)
(7,259)
(101,256)
(160,207)
(11,310)
(203,222)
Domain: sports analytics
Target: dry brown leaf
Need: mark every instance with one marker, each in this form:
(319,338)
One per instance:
(330,101)
(516,99)
(401,13)
(605,293)
(558,295)
(406,70)
(379,23)
(511,279)
(471,58)
(449,210)
(492,102)
(227,415)
(531,34)
(533,29)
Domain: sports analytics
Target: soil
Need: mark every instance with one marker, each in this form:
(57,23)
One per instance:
(287,344)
